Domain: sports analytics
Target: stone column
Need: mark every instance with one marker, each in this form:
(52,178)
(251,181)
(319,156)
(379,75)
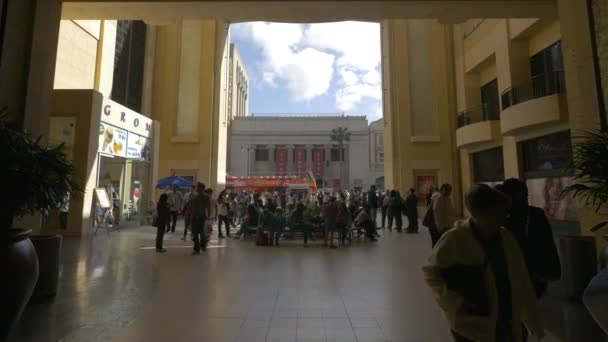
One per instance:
(272,159)
(290,166)
(309,149)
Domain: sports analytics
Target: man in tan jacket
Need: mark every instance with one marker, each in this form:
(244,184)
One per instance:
(479,276)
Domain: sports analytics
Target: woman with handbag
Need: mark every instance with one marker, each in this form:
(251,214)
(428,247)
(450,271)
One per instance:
(479,276)
(163,215)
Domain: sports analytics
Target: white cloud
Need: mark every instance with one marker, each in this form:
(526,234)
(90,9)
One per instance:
(307,72)
(349,97)
(306,58)
(349,77)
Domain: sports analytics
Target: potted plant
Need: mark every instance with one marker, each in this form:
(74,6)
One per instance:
(34,177)
(590,170)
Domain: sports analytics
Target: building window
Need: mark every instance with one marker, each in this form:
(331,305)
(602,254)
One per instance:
(547,156)
(379,156)
(547,70)
(261,155)
(489,101)
(379,139)
(127,85)
(337,155)
(488,166)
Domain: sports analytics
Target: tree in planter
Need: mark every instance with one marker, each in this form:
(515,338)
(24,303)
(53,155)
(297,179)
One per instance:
(590,170)
(340,135)
(34,178)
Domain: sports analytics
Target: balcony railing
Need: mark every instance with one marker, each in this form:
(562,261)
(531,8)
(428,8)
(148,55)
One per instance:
(537,87)
(485,112)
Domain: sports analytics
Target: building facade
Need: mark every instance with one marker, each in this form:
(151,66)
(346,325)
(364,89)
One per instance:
(101,91)
(513,117)
(283,145)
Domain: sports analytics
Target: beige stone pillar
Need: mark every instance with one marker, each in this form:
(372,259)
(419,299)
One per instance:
(582,94)
(150,55)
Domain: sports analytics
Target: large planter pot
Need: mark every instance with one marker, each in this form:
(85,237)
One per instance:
(19,273)
(48,248)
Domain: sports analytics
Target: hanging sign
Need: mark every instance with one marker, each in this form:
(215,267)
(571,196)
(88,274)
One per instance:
(281,160)
(317,163)
(300,160)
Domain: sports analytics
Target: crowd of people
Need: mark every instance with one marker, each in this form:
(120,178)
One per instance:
(268,215)
(487,271)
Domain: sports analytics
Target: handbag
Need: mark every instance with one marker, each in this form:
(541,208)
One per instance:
(429,217)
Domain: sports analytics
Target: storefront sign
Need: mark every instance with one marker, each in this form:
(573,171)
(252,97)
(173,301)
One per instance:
(300,160)
(281,159)
(138,147)
(317,163)
(122,117)
(112,140)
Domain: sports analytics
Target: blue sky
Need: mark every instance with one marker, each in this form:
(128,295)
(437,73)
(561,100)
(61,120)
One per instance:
(312,68)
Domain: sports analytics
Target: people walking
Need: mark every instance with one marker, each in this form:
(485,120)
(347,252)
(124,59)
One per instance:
(330,215)
(372,202)
(384,199)
(223,203)
(394,211)
(175,200)
(534,235)
(277,225)
(343,219)
(163,215)
(443,213)
(411,211)
(478,275)
(213,211)
(200,212)
(186,212)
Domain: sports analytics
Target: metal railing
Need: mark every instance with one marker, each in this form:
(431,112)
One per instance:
(537,87)
(485,112)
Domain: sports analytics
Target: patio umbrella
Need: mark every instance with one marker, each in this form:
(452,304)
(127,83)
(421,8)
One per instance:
(171,181)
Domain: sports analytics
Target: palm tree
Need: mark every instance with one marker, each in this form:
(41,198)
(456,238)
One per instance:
(340,135)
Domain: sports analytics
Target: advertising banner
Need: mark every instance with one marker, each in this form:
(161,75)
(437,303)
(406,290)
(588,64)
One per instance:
(281,160)
(112,140)
(423,187)
(545,193)
(138,147)
(300,160)
(317,163)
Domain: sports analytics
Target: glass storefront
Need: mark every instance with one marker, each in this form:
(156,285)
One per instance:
(124,163)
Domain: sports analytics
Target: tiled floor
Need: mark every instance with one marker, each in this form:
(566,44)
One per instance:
(116,288)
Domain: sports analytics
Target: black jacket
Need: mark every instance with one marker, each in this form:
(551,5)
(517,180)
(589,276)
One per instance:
(372,199)
(535,238)
(411,204)
(163,213)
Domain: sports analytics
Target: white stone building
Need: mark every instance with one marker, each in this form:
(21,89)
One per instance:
(267,145)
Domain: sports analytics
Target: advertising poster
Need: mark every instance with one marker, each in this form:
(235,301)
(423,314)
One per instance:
(545,192)
(138,147)
(423,187)
(317,163)
(112,140)
(281,158)
(300,160)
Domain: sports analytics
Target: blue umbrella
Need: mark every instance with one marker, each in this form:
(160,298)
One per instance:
(171,181)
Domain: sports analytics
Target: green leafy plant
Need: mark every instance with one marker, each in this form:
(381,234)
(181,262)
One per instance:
(34,177)
(312,214)
(590,170)
(340,135)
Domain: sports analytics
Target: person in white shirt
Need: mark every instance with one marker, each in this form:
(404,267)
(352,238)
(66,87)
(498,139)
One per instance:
(443,212)
(176,200)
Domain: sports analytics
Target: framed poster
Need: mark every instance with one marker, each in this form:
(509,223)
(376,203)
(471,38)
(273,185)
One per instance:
(102,198)
(425,181)
(545,193)
(112,140)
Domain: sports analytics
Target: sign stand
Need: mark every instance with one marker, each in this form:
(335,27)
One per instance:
(103,202)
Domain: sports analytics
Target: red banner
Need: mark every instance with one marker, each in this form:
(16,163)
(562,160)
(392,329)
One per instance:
(262,183)
(317,163)
(337,185)
(300,160)
(281,160)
